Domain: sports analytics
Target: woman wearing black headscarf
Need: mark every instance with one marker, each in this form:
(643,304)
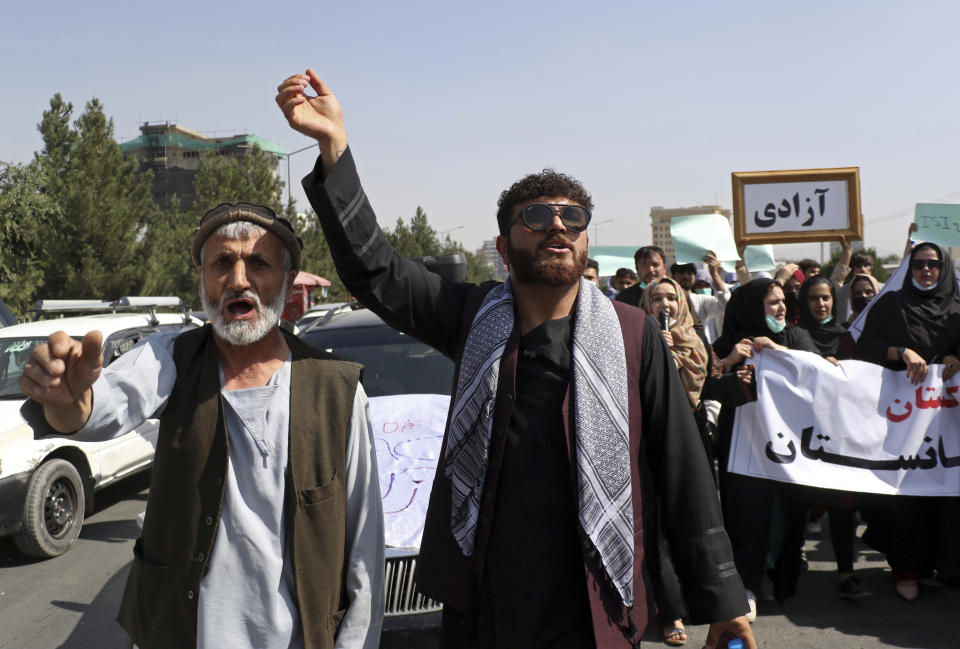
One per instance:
(907,330)
(920,323)
(755,318)
(818,316)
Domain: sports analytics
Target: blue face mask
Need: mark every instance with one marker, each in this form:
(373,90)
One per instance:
(775,325)
(827,320)
(705,291)
(917,286)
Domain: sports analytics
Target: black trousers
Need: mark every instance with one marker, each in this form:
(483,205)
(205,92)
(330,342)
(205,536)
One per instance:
(906,529)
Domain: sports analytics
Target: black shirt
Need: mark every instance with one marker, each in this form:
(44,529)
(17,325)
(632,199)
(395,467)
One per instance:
(534,588)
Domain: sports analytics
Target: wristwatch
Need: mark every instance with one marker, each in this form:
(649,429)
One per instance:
(900,351)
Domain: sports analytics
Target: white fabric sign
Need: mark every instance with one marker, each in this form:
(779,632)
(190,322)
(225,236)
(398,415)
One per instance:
(796,207)
(856,427)
(407,431)
(894,283)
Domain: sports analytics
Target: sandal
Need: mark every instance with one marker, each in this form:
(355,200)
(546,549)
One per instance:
(675,636)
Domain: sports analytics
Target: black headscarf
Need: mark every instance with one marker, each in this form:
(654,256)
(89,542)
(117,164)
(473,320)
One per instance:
(745,317)
(826,337)
(926,318)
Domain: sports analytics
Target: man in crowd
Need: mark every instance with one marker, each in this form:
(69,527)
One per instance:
(706,308)
(809,267)
(861,263)
(264,526)
(592,272)
(649,261)
(623,279)
(534,532)
(685,274)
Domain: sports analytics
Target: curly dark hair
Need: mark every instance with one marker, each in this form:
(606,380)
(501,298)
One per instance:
(549,183)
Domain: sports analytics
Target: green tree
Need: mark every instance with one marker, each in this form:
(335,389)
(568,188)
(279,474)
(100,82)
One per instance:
(249,178)
(169,268)
(477,271)
(59,139)
(316,255)
(106,205)
(29,219)
(419,239)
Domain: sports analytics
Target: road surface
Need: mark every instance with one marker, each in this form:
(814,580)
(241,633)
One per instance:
(70,602)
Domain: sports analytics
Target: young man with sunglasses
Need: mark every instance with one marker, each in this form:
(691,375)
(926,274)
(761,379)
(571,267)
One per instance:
(535,528)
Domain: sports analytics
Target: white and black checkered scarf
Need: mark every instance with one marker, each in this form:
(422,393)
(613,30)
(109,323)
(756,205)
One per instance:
(604,494)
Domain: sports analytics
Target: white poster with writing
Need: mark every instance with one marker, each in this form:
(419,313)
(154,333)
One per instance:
(856,427)
(408,432)
(796,206)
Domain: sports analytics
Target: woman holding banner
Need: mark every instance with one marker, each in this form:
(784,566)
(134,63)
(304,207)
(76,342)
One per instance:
(755,319)
(818,316)
(907,330)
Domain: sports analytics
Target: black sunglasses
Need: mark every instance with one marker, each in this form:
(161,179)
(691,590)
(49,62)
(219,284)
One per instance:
(920,264)
(539,216)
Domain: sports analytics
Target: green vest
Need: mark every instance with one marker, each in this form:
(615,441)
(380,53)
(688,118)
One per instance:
(159,608)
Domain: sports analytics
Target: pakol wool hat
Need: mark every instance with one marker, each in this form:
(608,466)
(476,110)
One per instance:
(259,214)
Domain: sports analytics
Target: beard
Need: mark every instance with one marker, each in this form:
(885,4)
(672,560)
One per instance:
(244,332)
(554,271)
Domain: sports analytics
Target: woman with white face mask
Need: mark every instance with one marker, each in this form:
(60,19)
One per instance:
(755,319)
(907,330)
(920,323)
(818,316)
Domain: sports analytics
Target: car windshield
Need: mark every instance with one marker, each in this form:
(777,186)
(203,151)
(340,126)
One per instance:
(393,362)
(14,352)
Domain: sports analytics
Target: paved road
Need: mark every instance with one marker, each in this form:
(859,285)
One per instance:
(70,602)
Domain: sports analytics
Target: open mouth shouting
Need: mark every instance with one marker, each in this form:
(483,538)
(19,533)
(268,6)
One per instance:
(242,307)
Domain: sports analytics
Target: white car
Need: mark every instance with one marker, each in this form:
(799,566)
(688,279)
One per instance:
(47,485)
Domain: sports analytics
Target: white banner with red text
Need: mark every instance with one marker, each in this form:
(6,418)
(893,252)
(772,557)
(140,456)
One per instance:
(854,427)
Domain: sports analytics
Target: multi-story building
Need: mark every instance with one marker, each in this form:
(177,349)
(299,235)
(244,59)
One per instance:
(660,218)
(488,254)
(174,152)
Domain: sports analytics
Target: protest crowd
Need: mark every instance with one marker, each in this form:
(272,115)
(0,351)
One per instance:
(915,324)
(552,522)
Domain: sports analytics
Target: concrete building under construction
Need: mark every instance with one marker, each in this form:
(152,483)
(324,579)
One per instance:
(660,218)
(174,152)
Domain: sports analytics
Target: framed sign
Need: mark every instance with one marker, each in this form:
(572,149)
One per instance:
(796,206)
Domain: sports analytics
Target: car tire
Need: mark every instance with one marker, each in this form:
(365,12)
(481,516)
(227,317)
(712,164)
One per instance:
(52,512)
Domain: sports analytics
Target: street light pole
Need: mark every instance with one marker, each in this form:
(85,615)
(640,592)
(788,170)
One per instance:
(459,227)
(288,165)
(596,231)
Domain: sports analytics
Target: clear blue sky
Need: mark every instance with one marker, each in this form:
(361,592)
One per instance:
(446,104)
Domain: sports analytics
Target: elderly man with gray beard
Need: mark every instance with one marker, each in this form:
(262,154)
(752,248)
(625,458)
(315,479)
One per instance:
(264,526)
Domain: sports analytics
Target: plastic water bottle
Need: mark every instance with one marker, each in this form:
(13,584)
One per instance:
(736,643)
